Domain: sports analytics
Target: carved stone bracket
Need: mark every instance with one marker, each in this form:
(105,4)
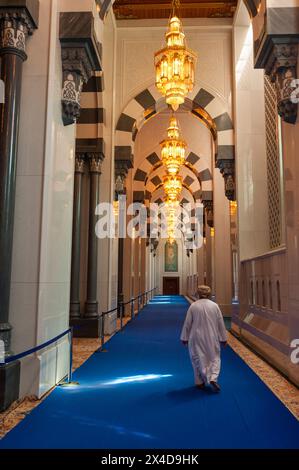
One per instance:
(227,169)
(91,152)
(209,208)
(76,71)
(282,70)
(80,54)
(154,245)
(121,172)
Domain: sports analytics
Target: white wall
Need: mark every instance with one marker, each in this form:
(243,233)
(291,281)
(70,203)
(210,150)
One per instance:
(251,163)
(108,266)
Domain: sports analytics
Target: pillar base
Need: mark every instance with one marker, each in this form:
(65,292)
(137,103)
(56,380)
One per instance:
(91,310)
(5,336)
(75,310)
(85,327)
(9,384)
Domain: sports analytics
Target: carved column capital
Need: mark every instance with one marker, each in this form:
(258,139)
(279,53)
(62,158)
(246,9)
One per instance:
(282,70)
(16,23)
(79,163)
(95,162)
(80,55)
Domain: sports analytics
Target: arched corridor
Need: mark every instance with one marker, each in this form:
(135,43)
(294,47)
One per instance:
(140,394)
(149,160)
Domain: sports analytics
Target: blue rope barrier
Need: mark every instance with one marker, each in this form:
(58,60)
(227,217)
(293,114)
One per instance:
(37,348)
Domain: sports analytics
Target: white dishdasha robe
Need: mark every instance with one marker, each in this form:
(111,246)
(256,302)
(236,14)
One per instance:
(204,330)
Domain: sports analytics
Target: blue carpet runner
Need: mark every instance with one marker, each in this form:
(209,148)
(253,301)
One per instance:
(140,394)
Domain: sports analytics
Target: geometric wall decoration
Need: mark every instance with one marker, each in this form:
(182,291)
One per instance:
(273,164)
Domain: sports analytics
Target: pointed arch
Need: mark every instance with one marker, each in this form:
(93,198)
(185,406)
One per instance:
(201,103)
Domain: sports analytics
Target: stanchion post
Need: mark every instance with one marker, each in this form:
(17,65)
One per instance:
(122,307)
(102,330)
(70,374)
(132,308)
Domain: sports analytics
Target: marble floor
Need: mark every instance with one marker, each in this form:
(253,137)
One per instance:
(83,348)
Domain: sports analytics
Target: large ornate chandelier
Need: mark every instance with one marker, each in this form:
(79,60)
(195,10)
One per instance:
(175,63)
(173,148)
(173,157)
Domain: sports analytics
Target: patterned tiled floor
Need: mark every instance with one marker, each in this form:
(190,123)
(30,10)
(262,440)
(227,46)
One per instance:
(84,348)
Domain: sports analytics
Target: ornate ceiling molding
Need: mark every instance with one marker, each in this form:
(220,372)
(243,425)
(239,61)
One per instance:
(147,9)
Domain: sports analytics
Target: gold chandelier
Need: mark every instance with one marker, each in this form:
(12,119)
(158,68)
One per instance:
(175,63)
(171,219)
(172,187)
(173,148)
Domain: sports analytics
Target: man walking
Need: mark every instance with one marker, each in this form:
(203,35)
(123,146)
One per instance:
(204,332)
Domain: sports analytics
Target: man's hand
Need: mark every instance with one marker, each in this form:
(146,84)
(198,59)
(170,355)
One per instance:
(185,343)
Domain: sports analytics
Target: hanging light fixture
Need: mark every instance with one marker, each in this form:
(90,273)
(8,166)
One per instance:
(233,208)
(171,219)
(172,187)
(175,63)
(173,148)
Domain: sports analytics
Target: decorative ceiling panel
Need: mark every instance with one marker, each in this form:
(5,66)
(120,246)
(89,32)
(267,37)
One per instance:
(147,9)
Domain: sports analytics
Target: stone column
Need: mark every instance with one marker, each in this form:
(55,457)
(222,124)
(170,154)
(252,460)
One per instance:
(91,305)
(16,23)
(200,265)
(76,244)
(208,257)
(222,247)
(123,162)
(143,265)
(121,172)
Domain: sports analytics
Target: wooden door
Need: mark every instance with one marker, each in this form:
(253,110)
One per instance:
(171,286)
